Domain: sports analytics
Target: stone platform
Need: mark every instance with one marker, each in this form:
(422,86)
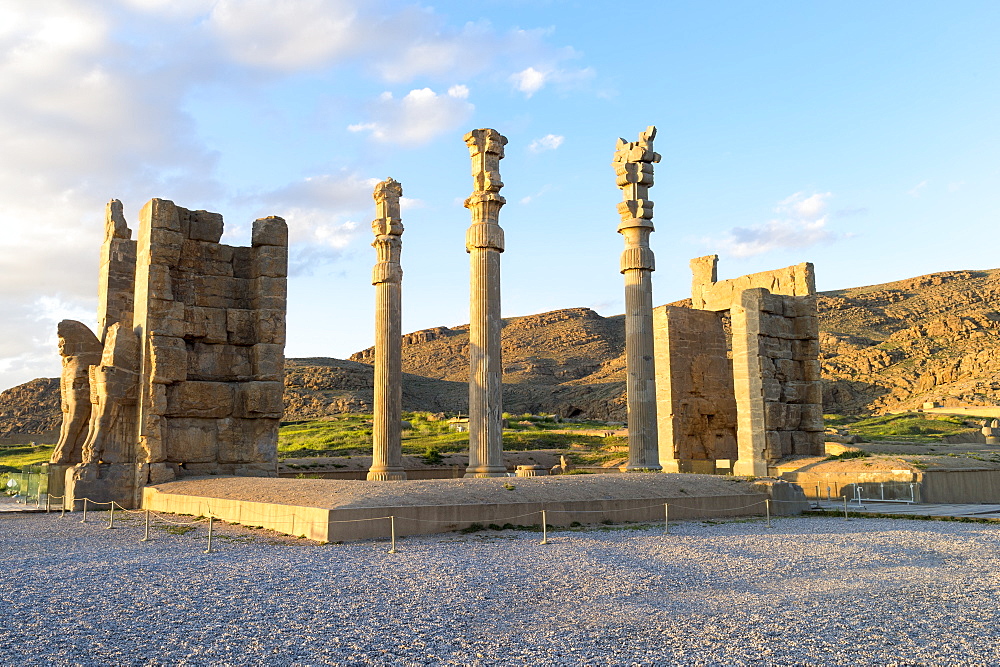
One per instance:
(331,510)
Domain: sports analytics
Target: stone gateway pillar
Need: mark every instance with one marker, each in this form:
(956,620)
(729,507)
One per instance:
(387,276)
(484,243)
(633,165)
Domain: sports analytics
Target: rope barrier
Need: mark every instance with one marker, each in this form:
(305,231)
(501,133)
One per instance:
(150,515)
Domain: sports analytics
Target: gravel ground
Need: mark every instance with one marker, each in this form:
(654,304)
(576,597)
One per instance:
(818,591)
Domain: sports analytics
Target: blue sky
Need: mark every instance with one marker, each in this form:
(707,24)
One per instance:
(860,136)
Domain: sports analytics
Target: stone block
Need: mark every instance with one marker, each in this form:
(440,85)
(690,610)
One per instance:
(812,371)
(205,226)
(269,231)
(812,418)
(773,303)
(804,443)
(164,247)
(807,327)
(793,415)
(159,473)
(159,282)
(259,399)
(248,441)
(268,293)
(199,399)
(168,359)
(157,399)
(772,390)
(200,257)
(774,416)
(786,370)
(268,362)
(223,363)
(218,291)
(805,350)
(241,326)
(269,261)
(161,214)
(797,391)
(767,369)
(271,326)
(813,393)
(800,306)
(207,324)
(190,440)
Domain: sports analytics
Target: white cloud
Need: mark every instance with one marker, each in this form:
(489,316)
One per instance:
(549,142)
(287,35)
(802,223)
(418,117)
(529,81)
(531,198)
(915,190)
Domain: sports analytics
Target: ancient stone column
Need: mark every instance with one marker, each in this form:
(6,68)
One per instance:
(387,276)
(633,165)
(484,243)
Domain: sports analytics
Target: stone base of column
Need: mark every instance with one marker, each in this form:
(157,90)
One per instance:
(486,471)
(386,475)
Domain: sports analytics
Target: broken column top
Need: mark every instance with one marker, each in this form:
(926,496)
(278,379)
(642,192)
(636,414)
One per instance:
(633,163)
(486,149)
(114,221)
(387,194)
(709,293)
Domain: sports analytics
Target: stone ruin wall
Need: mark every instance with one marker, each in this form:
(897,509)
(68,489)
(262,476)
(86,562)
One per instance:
(753,395)
(777,378)
(186,375)
(212,323)
(699,427)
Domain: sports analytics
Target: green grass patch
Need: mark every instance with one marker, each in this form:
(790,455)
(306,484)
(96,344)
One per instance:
(907,427)
(15,457)
(844,456)
(351,434)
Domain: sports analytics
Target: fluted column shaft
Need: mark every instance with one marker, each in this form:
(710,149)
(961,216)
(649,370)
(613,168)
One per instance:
(484,242)
(634,170)
(387,276)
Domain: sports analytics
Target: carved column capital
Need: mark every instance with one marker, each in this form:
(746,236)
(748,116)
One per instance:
(388,229)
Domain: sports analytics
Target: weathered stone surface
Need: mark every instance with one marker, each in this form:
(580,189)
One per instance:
(633,163)
(80,349)
(207,351)
(774,376)
(199,399)
(387,277)
(484,242)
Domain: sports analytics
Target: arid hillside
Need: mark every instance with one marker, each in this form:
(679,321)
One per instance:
(884,347)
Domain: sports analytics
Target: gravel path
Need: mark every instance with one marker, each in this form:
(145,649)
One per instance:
(818,591)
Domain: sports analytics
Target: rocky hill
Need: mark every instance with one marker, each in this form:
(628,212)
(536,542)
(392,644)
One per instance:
(884,347)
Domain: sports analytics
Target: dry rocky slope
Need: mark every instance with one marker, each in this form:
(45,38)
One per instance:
(884,347)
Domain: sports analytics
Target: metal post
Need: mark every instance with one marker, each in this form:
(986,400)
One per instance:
(818,497)
(392,531)
(881,488)
(211,521)
(545,533)
(145,537)
(111,524)
(48,503)
(767,509)
(666,518)
(828,496)
(63,512)
(845,509)
(84,519)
